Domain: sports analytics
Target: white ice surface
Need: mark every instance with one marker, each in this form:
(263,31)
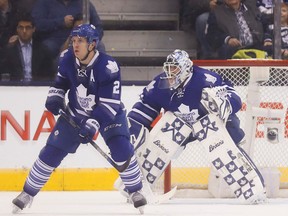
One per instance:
(112,203)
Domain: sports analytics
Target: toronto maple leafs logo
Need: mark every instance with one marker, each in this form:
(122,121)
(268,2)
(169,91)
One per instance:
(112,66)
(217,163)
(229,179)
(189,116)
(207,126)
(150,85)
(147,165)
(159,163)
(210,78)
(175,128)
(150,178)
(84,100)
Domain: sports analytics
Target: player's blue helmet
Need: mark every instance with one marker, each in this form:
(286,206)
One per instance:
(177,68)
(88,31)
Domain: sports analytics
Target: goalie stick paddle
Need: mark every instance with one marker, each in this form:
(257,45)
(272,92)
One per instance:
(154,199)
(159,198)
(120,168)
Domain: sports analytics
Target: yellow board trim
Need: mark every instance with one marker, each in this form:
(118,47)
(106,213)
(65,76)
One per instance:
(62,179)
(101,178)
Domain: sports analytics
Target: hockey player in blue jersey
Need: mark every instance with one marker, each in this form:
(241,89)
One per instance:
(179,88)
(92,81)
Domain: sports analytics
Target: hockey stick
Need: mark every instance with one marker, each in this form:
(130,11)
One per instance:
(120,168)
(152,198)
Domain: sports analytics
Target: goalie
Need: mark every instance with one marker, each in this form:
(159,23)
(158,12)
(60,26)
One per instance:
(189,94)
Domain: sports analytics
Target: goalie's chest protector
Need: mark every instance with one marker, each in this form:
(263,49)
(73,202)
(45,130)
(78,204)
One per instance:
(163,143)
(187,100)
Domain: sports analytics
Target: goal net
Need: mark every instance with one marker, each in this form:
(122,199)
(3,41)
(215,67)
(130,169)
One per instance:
(262,85)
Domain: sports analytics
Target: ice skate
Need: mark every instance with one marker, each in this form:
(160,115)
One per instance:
(138,200)
(21,201)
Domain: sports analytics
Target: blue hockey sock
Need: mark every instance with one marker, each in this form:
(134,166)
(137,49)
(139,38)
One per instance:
(131,177)
(38,176)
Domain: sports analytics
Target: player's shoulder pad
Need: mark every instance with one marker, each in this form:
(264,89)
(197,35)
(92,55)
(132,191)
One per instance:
(207,76)
(66,55)
(109,66)
(154,83)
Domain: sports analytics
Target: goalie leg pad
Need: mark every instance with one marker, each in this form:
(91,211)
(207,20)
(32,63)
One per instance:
(164,141)
(233,166)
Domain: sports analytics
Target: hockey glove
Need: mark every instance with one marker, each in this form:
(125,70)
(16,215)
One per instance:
(88,129)
(216,100)
(55,100)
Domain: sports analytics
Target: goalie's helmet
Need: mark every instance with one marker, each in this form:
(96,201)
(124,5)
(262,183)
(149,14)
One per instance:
(177,68)
(87,31)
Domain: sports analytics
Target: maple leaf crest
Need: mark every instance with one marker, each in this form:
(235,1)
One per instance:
(112,66)
(84,100)
(210,78)
(150,85)
(189,116)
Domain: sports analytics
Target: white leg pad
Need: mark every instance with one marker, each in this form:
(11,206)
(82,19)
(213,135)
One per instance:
(163,143)
(230,163)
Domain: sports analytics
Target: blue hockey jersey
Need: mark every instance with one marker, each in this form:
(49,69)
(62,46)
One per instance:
(185,100)
(94,89)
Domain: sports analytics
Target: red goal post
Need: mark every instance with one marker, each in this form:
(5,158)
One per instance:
(262,85)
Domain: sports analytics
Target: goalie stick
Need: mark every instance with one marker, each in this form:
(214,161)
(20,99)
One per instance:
(120,168)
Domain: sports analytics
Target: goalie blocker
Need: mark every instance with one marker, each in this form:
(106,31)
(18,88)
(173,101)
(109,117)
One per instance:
(231,163)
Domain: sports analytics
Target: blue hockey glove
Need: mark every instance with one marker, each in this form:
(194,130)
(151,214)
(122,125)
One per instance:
(55,100)
(88,129)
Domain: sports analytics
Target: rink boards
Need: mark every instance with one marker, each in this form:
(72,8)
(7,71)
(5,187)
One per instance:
(25,126)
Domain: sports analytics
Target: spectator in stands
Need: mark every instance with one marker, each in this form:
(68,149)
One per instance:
(194,15)
(268,41)
(189,10)
(205,52)
(54,20)
(266,9)
(235,25)
(25,6)
(8,14)
(25,59)
(7,25)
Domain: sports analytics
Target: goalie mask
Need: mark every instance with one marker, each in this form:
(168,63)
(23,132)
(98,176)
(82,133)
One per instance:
(177,68)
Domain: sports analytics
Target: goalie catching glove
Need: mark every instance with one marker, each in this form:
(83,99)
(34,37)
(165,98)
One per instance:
(216,101)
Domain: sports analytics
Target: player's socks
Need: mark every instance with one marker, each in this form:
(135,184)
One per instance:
(131,178)
(38,176)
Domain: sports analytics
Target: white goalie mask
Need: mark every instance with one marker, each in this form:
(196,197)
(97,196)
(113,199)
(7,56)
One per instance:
(177,68)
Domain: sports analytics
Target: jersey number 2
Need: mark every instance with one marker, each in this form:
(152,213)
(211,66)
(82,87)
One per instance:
(116,88)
